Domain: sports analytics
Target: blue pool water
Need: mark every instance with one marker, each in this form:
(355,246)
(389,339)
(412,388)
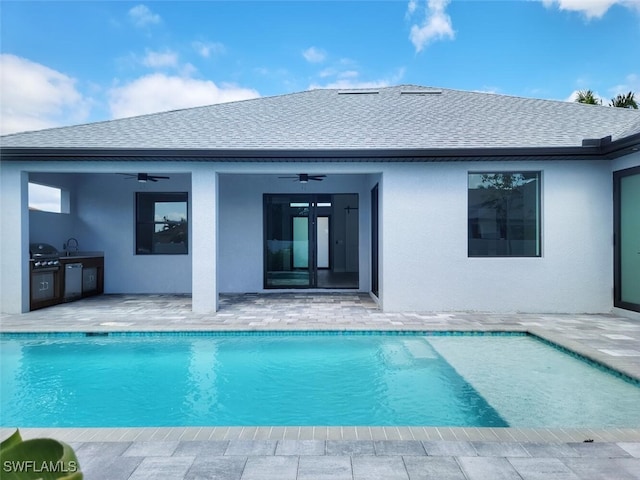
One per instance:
(170,380)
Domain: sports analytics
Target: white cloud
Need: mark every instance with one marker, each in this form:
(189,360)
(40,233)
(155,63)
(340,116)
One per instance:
(411,8)
(206,49)
(142,16)
(35,96)
(350,79)
(590,8)
(160,59)
(314,55)
(435,26)
(159,92)
(631,83)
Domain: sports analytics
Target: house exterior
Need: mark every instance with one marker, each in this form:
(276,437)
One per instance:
(429,199)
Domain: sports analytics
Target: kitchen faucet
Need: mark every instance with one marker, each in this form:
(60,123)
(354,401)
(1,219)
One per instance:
(70,243)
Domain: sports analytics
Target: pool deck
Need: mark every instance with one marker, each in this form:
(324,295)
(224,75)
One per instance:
(353,453)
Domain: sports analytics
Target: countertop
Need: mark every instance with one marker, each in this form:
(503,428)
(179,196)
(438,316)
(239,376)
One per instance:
(81,255)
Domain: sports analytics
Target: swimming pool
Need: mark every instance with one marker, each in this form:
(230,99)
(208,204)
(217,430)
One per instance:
(313,378)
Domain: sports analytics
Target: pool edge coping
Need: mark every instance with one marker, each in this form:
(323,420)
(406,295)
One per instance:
(323,433)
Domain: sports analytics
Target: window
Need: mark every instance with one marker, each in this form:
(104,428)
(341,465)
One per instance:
(161,223)
(48,199)
(504,214)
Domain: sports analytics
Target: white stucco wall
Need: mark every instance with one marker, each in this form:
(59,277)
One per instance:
(426,266)
(423,231)
(14,228)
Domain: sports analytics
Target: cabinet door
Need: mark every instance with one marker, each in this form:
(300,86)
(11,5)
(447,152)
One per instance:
(42,286)
(89,279)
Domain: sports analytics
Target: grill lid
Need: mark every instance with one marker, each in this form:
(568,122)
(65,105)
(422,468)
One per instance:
(43,250)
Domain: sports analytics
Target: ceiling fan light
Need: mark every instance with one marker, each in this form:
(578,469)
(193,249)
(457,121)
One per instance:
(142,177)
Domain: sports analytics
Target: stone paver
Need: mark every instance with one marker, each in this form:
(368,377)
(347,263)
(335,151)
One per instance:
(251,447)
(342,453)
(379,468)
(167,468)
(271,468)
(542,469)
(216,468)
(449,449)
(427,468)
(325,468)
(300,447)
(488,468)
(150,449)
(605,468)
(350,447)
(399,447)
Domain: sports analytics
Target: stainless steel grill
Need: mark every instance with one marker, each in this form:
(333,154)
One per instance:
(44,256)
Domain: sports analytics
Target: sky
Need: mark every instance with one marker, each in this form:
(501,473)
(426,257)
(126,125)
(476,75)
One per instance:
(73,62)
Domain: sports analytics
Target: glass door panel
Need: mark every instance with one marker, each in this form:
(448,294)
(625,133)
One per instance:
(322,243)
(287,241)
(630,241)
(300,243)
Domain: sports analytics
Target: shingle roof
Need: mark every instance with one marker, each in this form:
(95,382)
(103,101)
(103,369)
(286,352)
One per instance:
(401,117)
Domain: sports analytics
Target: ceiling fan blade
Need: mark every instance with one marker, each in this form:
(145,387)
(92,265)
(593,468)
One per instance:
(317,179)
(159,177)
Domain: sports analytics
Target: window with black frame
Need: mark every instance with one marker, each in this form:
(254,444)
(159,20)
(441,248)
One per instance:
(161,223)
(504,214)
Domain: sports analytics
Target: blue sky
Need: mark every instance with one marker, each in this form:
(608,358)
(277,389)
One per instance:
(74,62)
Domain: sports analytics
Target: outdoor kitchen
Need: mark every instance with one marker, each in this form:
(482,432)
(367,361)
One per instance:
(59,277)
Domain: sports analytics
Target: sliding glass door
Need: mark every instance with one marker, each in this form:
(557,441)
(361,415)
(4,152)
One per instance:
(627,234)
(311,241)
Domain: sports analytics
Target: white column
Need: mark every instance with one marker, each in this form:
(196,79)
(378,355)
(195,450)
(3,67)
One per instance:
(14,240)
(204,240)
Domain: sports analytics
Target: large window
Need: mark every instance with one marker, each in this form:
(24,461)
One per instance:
(504,214)
(161,223)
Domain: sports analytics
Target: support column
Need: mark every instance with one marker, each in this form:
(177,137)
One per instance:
(204,240)
(14,240)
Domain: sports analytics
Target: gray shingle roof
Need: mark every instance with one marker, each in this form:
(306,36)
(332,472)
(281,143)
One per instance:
(401,117)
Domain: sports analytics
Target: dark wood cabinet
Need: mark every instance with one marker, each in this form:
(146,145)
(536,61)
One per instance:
(47,286)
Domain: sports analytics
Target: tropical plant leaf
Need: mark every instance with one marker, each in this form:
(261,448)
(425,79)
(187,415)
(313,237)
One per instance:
(38,459)
(14,439)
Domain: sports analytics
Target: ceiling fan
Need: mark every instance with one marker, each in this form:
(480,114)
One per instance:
(305,177)
(145,177)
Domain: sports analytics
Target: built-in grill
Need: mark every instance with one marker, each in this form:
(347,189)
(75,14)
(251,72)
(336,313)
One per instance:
(46,273)
(44,256)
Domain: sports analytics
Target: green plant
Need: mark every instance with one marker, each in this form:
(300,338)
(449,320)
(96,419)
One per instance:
(37,459)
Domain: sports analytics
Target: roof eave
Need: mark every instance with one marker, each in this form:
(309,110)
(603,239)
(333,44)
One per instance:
(435,154)
(623,146)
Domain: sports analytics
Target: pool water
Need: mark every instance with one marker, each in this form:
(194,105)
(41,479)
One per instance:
(206,380)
